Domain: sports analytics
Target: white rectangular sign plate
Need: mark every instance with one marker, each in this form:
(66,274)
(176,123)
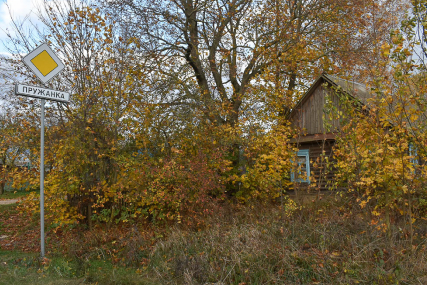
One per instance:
(42,93)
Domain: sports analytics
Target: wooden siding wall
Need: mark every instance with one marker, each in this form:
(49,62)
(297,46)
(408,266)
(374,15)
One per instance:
(310,115)
(332,119)
(320,173)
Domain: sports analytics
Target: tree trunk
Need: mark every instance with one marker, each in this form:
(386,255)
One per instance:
(89,215)
(234,157)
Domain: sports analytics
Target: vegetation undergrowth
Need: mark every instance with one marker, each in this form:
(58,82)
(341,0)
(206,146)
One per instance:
(323,242)
(14,194)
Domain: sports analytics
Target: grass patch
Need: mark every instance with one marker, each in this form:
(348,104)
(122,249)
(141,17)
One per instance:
(14,194)
(7,207)
(320,244)
(29,268)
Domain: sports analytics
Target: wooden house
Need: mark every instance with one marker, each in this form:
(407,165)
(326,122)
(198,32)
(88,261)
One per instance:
(317,131)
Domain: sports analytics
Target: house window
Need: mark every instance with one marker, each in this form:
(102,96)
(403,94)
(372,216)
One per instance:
(303,170)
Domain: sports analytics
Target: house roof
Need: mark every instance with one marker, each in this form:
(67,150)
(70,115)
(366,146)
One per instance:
(357,90)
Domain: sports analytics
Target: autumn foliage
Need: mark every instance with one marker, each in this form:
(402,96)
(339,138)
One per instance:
(179,107)
(381,151)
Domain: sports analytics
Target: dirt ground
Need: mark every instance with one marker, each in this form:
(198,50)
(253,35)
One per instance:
(8,201)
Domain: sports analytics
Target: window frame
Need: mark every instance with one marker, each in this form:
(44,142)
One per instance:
(302,153)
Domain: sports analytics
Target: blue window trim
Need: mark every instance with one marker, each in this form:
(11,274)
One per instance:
(303,153)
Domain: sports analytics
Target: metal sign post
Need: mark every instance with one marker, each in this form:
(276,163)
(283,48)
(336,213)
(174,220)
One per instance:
(42,180)
(44,63)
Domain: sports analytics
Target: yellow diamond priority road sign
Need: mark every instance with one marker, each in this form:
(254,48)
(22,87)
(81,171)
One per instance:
(44,63)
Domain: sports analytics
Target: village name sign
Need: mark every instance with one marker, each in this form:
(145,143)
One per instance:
(42,93)
(44,63)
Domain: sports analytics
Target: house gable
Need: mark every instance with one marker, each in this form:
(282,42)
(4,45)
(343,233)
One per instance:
(312,116)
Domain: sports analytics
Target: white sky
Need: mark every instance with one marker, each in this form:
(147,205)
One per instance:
(20,9)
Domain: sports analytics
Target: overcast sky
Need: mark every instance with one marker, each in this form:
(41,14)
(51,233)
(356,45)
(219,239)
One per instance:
(19,9)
